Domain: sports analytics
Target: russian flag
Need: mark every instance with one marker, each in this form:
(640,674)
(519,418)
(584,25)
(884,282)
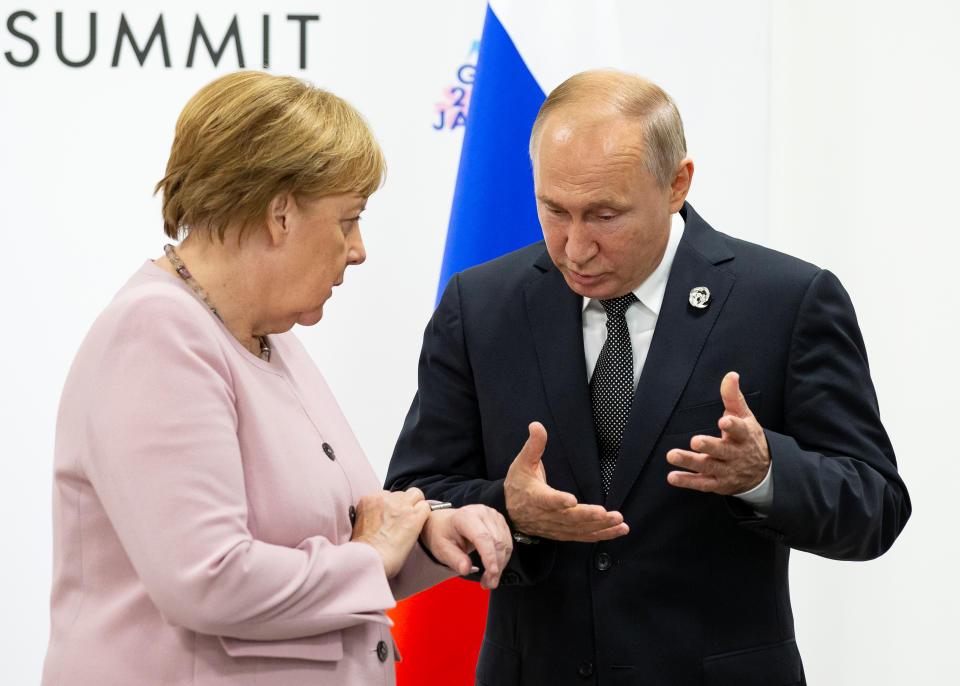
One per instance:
(528,47)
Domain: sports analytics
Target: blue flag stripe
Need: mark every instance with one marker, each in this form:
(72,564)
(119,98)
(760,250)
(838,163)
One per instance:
(494,210)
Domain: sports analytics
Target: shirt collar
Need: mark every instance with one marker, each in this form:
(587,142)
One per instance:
(651,291)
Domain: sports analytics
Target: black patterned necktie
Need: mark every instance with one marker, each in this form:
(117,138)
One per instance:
(611,386)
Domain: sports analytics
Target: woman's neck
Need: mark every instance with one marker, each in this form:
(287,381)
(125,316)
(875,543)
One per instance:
(221,270)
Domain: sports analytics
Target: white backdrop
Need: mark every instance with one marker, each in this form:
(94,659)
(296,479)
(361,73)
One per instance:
(825,129)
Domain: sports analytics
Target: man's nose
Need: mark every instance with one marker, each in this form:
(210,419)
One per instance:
(581,247)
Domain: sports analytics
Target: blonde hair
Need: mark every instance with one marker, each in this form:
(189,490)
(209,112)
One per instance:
(632,96)
(247,136)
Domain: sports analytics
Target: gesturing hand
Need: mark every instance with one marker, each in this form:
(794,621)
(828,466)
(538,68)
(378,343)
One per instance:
(391,523)
(731,464)
(537,509)
(450,534)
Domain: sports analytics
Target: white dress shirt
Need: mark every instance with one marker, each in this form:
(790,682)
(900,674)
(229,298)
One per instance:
(641,319)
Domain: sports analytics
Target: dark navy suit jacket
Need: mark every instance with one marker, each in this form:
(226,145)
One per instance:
(697,592)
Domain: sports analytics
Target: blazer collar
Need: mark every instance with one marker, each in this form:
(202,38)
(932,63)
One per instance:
(678,339)
(553,311)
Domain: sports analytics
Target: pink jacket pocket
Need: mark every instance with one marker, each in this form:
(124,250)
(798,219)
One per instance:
(326,647)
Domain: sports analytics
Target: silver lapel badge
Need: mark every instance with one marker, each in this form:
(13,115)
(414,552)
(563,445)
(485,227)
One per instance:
(700,297)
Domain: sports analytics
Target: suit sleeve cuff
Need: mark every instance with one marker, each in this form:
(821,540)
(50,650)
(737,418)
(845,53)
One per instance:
(760,497)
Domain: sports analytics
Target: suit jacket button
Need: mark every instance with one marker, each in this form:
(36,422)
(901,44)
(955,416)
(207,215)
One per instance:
(604,562)
(353,515)
(510,578)
(585,670)
(328,449)
(382,651)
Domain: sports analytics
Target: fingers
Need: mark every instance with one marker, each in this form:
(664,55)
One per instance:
(617,531)
(735,428)
(414,493)
(697,482)
(539,510)
(390,522)
(723,466)
(491,538)
(450,554)
(717,448)
(687,459)
(533,449)
(452,533)
(733,400)
(384,499)
(701,477)
(396,502)
(368,501)
(584,523)
(592,517)
(389,509)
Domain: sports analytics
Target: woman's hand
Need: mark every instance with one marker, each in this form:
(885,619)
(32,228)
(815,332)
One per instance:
(391,523)
(451,534)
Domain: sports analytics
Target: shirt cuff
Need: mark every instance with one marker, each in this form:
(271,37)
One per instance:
(760,497)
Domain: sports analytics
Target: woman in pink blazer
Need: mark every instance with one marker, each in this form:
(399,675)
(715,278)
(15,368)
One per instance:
(215,520)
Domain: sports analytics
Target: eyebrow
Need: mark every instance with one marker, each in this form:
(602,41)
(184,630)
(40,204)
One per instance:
(589,207)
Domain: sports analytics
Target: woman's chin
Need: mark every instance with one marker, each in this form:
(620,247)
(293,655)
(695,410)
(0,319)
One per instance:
(310,318)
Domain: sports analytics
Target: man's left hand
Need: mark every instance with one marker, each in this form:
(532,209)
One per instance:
(731,464)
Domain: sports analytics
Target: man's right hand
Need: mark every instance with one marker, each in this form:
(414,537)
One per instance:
(538,510)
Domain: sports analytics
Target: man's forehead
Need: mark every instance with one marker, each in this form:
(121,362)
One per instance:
(586,114)
(603,131)
(601,180)
(578,152)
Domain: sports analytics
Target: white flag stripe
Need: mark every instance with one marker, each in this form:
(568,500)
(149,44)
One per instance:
(558,38)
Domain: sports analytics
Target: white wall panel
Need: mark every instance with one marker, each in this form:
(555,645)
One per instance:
(864,143)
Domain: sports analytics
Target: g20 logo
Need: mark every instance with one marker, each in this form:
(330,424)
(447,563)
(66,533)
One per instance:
(452,110)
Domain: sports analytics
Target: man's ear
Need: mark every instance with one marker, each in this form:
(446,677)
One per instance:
(279,215)
(680,185)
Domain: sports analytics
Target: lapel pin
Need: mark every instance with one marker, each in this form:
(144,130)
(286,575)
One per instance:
(700,297)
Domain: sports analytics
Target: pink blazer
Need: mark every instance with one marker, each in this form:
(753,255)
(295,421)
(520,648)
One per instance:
(202,512)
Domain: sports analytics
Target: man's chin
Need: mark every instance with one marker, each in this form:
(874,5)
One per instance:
(598,287)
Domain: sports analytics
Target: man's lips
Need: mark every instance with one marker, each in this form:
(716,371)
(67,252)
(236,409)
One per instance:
(584,279)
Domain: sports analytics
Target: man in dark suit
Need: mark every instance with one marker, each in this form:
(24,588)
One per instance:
(654,526)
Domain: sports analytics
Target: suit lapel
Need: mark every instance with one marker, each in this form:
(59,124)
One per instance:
(680,335)
(554,313)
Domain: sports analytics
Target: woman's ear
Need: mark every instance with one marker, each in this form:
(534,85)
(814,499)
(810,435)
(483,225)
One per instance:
(279,216)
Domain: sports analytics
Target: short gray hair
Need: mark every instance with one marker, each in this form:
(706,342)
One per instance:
(632,96)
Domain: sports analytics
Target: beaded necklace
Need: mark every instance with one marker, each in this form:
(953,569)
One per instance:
(185,274)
